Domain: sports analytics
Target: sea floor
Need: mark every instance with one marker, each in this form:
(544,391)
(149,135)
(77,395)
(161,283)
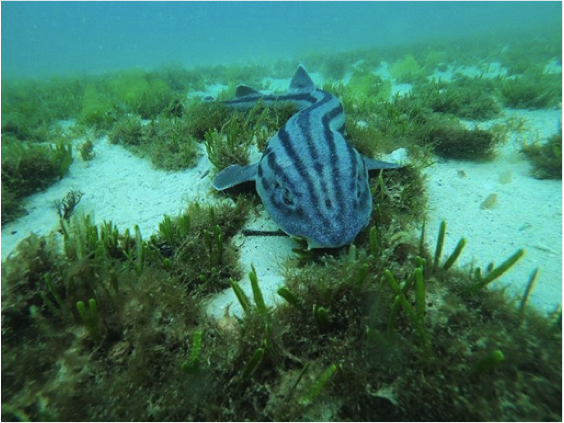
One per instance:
(127,190)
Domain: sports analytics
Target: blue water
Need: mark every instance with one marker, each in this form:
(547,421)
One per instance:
(41,38)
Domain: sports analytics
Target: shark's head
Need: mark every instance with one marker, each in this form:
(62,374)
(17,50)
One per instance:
(327,212)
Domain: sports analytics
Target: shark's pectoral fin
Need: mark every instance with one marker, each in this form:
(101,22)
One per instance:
(373,164)
(234,175)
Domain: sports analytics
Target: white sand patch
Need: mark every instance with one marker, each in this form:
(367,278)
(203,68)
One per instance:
(267,254)
(527,214)
(117,186)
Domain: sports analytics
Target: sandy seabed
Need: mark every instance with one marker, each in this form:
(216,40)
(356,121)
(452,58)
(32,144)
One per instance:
(128,191)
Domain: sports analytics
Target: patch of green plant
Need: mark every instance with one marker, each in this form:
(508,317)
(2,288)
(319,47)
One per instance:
(82,239)
(494,272)
(66,206)
(165,141)
(399,201)
(62,157)
(432,60)
(266,122)
(30,108)
(465,97)
(251,74)
(28,168)
(127,131)
(335,67)
(90,318)
(534,89)
(523,53)
(181,79)
(417,286)
(59,294)
(407,69)
(87,150)
(98,107)
(365,89)
(316,388)
(457,142)
(196,243)
(193,363)
(417,316)
(229,149)
(388,125)
(25,274)
(202,116)
(546,157)
(136,91)
(230,145)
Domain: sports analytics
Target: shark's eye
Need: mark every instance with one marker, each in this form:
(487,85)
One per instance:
(288,198)
(283,195)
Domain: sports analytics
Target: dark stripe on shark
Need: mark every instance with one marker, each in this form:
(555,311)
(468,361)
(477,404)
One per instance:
(330,136)
(304,124)
(284,179)
(335,175)
(290,151)
(332,114)
(304,120)
(314,167)
(331,181)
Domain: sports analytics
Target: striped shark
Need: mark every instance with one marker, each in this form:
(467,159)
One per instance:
(313,183)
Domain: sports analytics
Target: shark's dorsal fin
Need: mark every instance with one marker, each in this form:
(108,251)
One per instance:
(246,91)
(234,175)
(301,82)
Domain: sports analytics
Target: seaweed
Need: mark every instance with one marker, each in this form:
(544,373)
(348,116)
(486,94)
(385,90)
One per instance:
(66,206)
(201,259)
(62,158)
(366,89)
(406,69)
(136,91)
(335,67)
(97,106)
(181,79)
(30,108)
(166,143)
(460,143)
(127,131)
(202,116)
(231,143)
(28,168)
(533,89)
(546,157)
(87,150)
(465,97)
